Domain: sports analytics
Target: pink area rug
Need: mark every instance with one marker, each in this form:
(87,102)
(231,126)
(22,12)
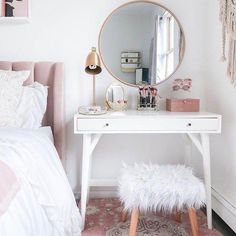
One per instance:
(104,219)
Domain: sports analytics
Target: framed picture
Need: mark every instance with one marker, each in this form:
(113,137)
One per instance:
(14,8)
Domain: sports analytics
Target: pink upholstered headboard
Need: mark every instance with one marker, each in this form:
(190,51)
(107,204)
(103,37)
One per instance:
(52,75)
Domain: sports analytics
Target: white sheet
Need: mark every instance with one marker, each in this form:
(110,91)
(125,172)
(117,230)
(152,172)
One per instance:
(47,132)
(45,204)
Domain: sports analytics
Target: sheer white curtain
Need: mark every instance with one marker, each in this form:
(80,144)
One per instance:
(161,49)
(153,53)
(153,48)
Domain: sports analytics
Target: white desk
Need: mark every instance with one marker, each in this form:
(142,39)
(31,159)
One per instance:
(195,126)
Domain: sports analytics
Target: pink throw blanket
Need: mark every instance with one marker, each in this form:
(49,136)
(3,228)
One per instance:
(9,186)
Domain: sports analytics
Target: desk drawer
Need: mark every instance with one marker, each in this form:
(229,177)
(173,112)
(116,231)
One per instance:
(149,125)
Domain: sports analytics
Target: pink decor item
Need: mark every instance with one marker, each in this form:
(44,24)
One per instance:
(2,8)
(184,84)
(52,75)
(9,186)
(14,8)
(20,8)
(183,105)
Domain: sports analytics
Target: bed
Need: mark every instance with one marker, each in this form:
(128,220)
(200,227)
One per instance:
(43,203)
(51,74)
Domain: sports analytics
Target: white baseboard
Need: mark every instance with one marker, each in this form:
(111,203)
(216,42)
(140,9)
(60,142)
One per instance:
(103,182)
(101,188)
(100,192)
(103,192)
(224,209)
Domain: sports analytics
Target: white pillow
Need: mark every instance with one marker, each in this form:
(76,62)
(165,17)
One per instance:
(10,96)
(13,77)
(10,88)
(32,106)
(24,106)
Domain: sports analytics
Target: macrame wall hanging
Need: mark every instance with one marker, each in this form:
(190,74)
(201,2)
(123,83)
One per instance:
(228,19)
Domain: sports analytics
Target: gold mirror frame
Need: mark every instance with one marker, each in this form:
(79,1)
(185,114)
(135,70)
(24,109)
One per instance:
(129,3)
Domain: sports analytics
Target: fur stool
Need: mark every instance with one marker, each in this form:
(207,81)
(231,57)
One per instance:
(167,188)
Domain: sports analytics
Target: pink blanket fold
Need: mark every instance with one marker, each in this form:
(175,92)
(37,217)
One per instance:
(9,186)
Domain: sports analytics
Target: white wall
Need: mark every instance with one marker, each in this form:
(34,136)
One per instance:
(64,31)
(221,98)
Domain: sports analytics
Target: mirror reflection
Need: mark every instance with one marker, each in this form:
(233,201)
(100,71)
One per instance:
(116,98)
(141,43)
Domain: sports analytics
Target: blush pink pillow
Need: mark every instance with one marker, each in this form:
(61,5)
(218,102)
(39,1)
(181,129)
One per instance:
(9,186)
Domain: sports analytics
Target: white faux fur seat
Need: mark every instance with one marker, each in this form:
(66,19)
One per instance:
(168,188)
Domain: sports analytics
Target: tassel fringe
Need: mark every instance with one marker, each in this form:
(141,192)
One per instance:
(228,20)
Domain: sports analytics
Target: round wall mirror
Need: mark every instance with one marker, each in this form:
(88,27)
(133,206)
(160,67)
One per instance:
(141,43)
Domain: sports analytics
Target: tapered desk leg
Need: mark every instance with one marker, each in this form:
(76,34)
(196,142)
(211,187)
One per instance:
(207,174)
(87,138)
(204,148)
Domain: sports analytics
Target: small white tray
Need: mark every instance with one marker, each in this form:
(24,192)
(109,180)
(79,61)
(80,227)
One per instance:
(92,111)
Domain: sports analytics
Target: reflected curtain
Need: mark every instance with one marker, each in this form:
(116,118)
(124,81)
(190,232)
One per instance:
(159,50)
(153,58)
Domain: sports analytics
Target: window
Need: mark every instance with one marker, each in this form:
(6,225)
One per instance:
(169,44)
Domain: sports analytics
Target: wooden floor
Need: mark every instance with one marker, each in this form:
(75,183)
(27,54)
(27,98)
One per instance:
(221,226)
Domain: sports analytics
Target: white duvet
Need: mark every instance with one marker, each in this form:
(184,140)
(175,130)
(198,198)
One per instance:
(44,205)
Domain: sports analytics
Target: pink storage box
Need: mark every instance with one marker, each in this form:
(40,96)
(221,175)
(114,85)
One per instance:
(183,105)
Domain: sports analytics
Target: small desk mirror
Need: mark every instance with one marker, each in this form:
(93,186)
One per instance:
(116,97)
(141,43)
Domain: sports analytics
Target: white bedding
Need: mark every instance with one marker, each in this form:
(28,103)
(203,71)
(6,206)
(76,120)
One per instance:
(22,106)
(47,132)
(45,204)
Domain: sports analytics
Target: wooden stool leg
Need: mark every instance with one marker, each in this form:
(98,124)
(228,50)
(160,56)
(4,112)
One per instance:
(124,216)
(134,222)
(193,221)
(178,217)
